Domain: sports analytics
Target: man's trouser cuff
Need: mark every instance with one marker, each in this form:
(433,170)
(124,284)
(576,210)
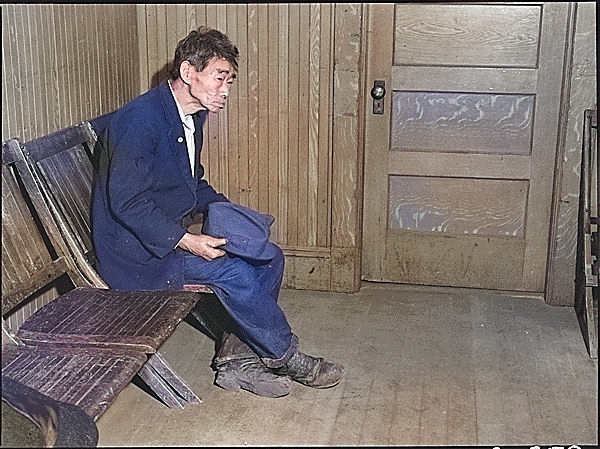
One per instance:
(278,363)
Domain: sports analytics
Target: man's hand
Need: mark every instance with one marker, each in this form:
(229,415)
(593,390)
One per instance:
(202,245)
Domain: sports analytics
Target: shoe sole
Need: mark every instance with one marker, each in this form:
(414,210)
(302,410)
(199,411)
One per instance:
(236,384)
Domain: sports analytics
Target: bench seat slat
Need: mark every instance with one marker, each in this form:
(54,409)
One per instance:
(91,315)
(87,377)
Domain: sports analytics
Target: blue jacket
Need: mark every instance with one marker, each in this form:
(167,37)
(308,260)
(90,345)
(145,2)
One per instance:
(145,192)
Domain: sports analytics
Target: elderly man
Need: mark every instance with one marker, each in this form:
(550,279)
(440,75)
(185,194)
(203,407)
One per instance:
(150,183)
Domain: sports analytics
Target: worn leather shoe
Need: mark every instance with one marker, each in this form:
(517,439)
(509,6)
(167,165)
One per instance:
(251,375)
(239,368)
(312,371)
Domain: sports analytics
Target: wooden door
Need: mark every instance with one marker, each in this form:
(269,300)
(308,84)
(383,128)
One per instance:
(459,166)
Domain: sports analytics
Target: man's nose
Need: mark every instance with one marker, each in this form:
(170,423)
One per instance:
(224,91)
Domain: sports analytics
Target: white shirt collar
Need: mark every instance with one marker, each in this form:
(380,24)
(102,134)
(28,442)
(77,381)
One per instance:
(188,128)
(186,119)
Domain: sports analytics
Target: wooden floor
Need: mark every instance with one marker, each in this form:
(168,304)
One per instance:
(424,366)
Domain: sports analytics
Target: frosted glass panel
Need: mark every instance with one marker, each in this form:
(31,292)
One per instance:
(457,205)
(463,123)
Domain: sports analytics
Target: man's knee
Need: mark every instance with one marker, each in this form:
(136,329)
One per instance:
(278,260)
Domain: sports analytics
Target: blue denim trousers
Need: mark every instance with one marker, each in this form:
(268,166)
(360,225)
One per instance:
(249,291)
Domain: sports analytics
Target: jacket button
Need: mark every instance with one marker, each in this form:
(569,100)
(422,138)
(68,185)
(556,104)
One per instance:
(180,139)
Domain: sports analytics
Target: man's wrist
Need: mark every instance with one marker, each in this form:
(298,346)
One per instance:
(180,241)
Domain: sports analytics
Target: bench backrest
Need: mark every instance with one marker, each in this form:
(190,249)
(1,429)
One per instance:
(33,255)
(63,163)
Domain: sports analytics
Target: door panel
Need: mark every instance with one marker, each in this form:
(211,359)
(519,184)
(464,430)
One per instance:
(464,123)
(428,204)
(466,142)
(466,35)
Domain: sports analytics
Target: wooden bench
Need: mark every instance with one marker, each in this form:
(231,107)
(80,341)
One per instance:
(30,261)
(65,164)
(86,345)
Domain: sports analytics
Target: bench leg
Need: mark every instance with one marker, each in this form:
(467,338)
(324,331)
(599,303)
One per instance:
(166,383)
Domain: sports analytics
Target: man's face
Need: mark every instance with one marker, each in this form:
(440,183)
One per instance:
(210,87)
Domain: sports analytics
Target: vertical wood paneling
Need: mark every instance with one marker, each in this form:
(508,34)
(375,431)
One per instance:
(175,31)
(22,75)
(117,75)
(158,40)
(63,103)
(5,75)
(346,148)
(89,61)
(291,235)
(264,113)
(75,30)
(154,61)
(127,55)
(104,37)
(325,126)
(34,95)
(162,41)
(274,118)
(345,110)
(141,20)
(241,190)
(9,81)
(313,123)
(231,134)
(215,158)
(220,22)
(65,63)
(283,129)
(252,108)
(301,169)
(97,37)
(211,16)
(41,16)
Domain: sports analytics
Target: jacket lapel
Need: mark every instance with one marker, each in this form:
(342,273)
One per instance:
(176,135)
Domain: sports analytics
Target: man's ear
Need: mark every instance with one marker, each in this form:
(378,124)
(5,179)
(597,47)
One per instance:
(185,71)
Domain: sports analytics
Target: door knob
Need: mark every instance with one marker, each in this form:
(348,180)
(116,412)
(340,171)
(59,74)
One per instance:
(377,93)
